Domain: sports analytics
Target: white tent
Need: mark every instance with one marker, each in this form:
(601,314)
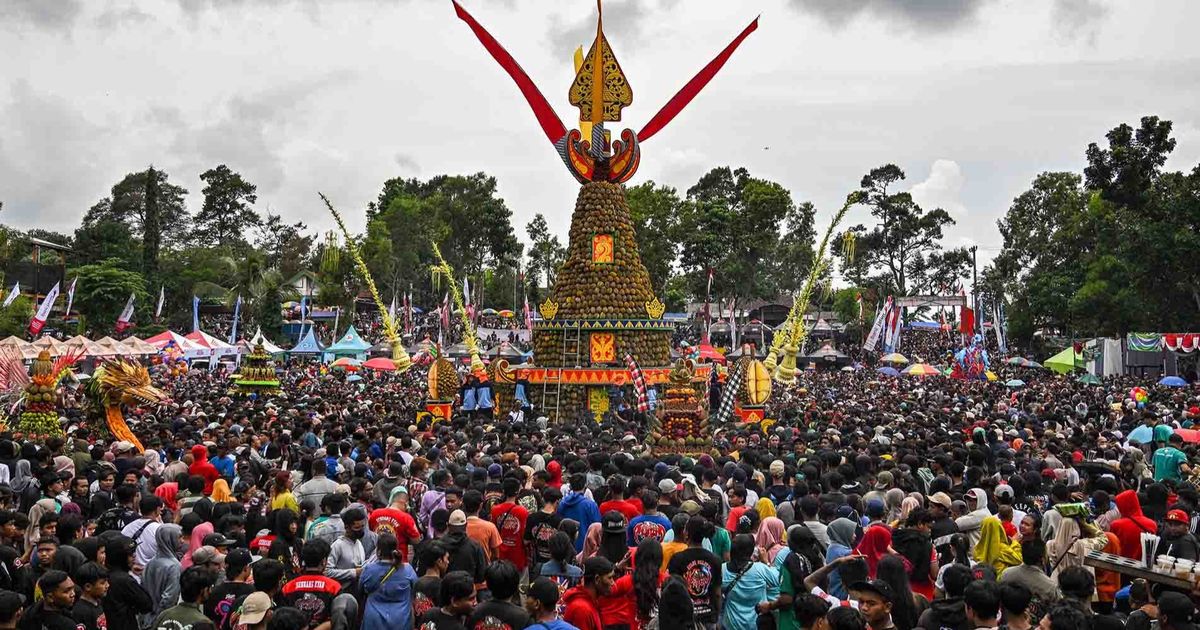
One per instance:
(219,348)
(191,349)
(258,338)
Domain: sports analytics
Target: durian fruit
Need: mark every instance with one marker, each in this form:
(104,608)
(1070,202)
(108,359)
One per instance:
(443,380)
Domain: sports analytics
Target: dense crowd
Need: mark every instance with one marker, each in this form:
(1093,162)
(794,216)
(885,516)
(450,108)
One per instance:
(869,503)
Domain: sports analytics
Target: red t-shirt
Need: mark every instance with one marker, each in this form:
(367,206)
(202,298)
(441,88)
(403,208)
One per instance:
(624,506)
(397,523)
(509,518)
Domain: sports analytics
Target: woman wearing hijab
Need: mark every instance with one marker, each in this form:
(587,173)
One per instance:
(154,465)
(195,528)
(842,533)
(25,487)
(1069,546)
(875,544)
(893,501)
(160,578)
(33,532)
(994,547)
(765,509)
(770,538)
(169,493)
(221,493)
(907,506)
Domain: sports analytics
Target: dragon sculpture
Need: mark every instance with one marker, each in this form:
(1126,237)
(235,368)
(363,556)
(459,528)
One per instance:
(122,383)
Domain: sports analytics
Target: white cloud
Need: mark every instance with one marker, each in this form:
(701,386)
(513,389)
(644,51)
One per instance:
(942,189)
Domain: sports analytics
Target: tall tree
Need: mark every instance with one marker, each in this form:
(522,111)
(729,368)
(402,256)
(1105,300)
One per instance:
(285,246)
(546,255)
(897,253)
(731,225)
(656,212)
(796,248)
(102,292)
(227,215)
(1126,171)
(126,204)
(150,228)
(100,238)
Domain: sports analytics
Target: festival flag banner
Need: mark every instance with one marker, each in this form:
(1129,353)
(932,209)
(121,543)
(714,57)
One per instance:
(125,320)
(877,327)
(195,313)
(967,325)
(43,312)
(71,295)
(237,311)
(998,326)
(729,397)
(1145,342)
(392,308)
(639,383)
(162,295)
(12,295)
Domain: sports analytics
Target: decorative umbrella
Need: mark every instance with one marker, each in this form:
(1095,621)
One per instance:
(346,363)
(1173,381)
(1030,363)
(1066,361)
(488,311)
(991,376)
(1016,361)
(894,357)
(709,353)
(888,371)
(505,313)
(353,378)
(848,368)
(383,364)
(1016,382)
(1089,379)
(921,369)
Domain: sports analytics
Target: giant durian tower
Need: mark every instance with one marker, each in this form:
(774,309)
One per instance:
(602,280)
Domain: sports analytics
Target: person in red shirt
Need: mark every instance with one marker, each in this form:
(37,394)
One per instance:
(201,467)
(617,501)
(395,520)
(737,507)
(581,605)
(510,518)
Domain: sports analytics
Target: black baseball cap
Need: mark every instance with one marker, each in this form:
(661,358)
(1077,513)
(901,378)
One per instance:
(879,587)
(544,591)
(10,603)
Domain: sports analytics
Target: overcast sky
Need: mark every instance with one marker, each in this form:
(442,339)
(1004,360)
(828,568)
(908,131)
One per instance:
(972,98)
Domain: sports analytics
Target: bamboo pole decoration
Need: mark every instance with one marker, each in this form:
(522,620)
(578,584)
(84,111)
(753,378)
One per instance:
(792,333)
(399,354)
(443,268)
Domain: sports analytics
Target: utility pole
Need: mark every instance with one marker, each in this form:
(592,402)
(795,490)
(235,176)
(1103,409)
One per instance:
(975,287)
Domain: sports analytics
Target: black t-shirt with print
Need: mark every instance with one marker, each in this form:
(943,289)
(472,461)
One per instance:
(701,572)
(224,601)
(539,527)
(498,615)
(425,595)
(437,620)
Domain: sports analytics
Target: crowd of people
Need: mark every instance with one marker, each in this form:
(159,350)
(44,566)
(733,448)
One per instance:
(869,502)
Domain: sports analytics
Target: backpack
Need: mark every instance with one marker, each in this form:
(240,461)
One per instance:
(111,520)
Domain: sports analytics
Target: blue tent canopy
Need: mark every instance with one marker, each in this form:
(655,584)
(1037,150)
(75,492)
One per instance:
(308,344)
(350,344)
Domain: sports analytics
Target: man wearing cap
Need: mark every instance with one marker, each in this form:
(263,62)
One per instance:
(210,558)
(875,600)
(221,603)
(255,611)
(582,603)
(465,554)
(1175,612)
(1180,543)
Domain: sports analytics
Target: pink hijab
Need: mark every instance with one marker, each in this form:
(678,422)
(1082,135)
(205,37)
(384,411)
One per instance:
(770,537)
(196,542)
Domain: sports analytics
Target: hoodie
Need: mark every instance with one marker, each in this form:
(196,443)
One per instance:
(581,610)
(203,468)
(945,614)
(161,577)
(1132,524)
(465,554)
(577,507)
(970,523)
(555,470)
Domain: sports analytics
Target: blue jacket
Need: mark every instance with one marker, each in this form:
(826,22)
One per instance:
(389,601)
(577,507)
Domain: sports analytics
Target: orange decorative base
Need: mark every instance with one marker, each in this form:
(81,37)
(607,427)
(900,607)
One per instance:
(603,376)
(751,413)
(439,409)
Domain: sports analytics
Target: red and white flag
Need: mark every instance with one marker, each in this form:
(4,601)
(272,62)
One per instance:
(446,312)
(528,316)
(71,295)
(126,318)
(43,312)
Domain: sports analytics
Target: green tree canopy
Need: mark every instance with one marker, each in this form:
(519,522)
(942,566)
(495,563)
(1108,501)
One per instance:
(102,291)
(227,216)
